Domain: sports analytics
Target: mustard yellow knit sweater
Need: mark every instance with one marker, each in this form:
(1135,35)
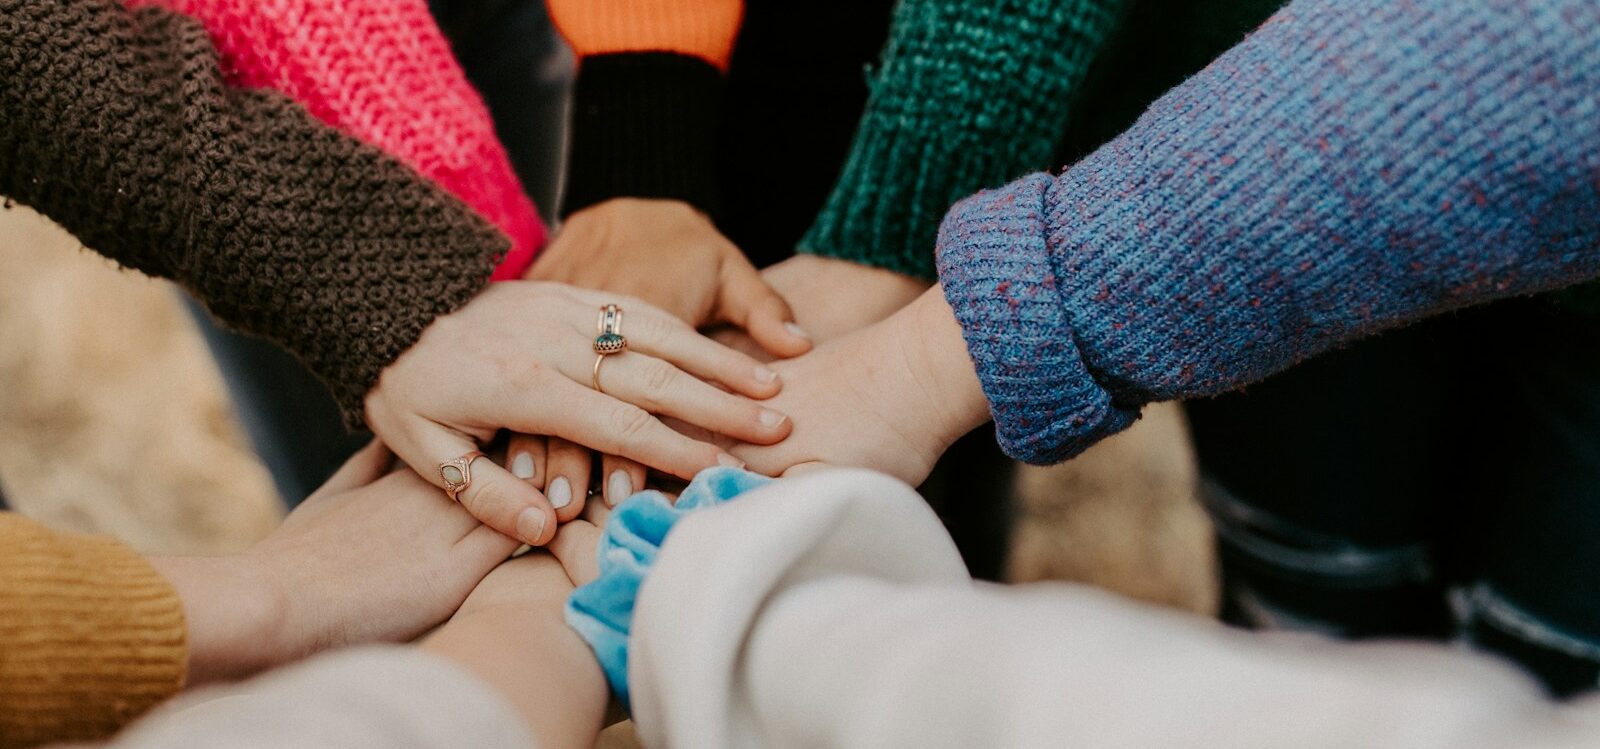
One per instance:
(90,635)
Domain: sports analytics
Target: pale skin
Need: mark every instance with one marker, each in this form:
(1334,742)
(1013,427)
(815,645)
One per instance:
(511,634)
(892,396)
(423,564)
(670,255)
(307,587)
(519,357)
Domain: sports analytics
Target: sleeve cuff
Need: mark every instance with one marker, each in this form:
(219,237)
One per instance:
(602,610)
(644,125)
(999,278)
(884,210)
(95,636)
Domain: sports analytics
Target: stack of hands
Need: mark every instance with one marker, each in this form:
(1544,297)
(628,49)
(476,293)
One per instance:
(717,372)
(376,555)
(812,360)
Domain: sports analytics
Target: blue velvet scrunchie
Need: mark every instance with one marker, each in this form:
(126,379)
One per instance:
(602,610)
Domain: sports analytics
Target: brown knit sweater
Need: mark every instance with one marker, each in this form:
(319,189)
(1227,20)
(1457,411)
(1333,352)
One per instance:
(117,125)
(90,635)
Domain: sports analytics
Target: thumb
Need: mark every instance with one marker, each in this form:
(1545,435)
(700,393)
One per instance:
(749,303)
(364,467)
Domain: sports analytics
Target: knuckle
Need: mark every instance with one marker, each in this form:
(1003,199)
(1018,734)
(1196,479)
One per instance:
(631,423)
(659,378)
(488,502)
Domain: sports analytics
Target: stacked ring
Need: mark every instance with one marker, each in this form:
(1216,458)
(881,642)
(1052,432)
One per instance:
(609,341)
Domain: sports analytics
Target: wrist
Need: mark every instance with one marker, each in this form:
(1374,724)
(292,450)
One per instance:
(937,350)
(543,670)
(234,614)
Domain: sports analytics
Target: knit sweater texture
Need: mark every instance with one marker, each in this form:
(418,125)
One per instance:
(118,125)
(648,97)
(91,636)
(381,71)
(968,96)
(1352,166)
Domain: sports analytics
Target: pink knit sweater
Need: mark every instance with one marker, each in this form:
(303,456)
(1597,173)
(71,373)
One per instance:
(381,71)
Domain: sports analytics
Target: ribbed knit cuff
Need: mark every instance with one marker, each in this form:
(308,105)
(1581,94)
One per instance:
(1000,280)
(968,97)
(91,636)
(644,125)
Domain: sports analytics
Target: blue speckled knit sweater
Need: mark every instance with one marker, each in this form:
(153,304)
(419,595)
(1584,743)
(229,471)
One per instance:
(1352,166)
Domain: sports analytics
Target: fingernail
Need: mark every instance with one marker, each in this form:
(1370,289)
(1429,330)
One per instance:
(766,376)
(730,461)
(522,466)
(771,418)
(796,330)
(530,524)
(618,487)
(559,493)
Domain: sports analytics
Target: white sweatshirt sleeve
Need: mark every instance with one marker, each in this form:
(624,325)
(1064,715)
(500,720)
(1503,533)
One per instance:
(832,610)
(377,697)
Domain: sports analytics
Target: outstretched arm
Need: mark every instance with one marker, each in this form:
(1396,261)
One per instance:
(1349,168)
(118,125)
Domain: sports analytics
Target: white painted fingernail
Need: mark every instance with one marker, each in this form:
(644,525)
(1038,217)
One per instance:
(766,376)
(559,493)
(530,524)
(522,466)
(618,487)
(771,418)
(730,461)
(796,330)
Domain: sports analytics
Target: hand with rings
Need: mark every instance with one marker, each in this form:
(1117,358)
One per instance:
(530,357)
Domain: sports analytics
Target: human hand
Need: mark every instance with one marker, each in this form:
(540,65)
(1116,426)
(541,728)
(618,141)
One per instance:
(892,396)
(368,557)
(670,255)
(520,357)
(512,634)
(832,297)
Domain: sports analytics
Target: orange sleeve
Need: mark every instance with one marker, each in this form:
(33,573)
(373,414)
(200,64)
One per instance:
(91,635)
(697,28)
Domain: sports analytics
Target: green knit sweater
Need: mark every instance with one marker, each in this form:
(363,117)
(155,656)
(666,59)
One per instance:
(968,96)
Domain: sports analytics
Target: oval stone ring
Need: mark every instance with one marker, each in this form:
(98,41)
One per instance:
(457,474)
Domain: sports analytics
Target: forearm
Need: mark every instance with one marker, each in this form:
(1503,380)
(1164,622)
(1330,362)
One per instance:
(234,615)
(967,97)
(937,359)
(117,124)
(647,102)
(537,664)
(1349,168)
(390,696)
